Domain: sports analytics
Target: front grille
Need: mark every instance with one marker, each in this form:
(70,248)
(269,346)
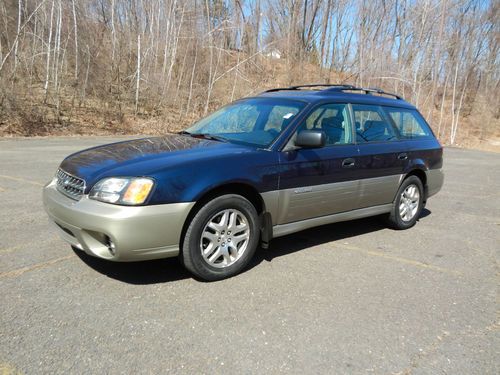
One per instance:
(69,185)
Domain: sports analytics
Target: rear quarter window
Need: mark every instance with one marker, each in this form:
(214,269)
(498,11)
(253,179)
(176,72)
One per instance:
(409,122)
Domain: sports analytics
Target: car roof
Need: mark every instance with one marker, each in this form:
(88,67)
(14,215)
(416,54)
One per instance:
(314,96)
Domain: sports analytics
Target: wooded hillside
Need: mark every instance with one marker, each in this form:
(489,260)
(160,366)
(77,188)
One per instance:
(151,66)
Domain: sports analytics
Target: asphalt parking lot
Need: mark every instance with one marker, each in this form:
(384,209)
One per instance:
(348,298)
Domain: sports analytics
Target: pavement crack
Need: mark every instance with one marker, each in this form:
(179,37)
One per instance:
(9,249)
(19,179)
(20,271)
(424,353)
(412,262)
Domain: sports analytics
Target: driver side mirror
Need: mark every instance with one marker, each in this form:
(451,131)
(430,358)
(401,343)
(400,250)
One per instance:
(310,139)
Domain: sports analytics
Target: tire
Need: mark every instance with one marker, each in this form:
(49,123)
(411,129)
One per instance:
(408,204)
(221,239)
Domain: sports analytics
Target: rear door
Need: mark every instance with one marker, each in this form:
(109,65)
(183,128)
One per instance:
(322,181)
(382,155)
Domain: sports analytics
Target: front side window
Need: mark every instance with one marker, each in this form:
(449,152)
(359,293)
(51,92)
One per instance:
(333,119)
(256,122)
(372,125)
(409,122)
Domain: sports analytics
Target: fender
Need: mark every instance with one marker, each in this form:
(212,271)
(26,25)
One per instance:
(415,164)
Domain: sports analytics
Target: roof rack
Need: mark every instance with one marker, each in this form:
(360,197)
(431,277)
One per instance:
(367,90)
(332,86)
(340,87)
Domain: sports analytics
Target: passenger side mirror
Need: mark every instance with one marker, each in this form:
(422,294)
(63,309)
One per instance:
(310,139)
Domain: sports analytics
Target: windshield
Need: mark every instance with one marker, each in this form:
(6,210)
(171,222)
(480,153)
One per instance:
(256,122)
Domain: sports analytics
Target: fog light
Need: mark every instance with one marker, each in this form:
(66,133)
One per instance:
(111,246)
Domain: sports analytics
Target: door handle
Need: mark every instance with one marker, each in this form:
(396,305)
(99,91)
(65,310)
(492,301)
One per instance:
(403,156)
(347,163)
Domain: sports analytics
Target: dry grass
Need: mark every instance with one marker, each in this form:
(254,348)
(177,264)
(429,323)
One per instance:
(30,114)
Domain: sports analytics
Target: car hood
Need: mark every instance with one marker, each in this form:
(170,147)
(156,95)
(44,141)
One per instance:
(143,157)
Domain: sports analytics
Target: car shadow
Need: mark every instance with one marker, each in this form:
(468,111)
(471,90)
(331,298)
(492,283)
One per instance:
(171,269)
(138,273)
(320,235)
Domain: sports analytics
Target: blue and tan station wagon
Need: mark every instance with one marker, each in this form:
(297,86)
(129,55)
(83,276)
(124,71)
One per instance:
(259,168)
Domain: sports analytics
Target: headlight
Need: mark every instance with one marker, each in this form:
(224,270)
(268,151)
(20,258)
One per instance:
(129,191)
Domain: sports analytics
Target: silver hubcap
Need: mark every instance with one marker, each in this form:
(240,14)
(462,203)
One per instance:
(408,204)
(225,238)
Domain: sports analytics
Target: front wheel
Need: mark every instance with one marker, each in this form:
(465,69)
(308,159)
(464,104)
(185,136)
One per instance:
(221,239)
(408,204)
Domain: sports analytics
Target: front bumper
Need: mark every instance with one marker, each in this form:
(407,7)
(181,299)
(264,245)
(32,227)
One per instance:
(138,233)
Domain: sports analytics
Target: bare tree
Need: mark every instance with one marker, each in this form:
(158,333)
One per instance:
(175,60)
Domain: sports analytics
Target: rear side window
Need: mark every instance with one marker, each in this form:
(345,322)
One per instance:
(409,122)
(372,124)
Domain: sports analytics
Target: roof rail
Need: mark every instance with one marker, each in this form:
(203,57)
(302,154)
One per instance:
(339,87)
(367,90)
(298,87)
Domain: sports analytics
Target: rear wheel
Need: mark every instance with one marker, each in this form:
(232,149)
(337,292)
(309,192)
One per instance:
(221,238)
(408,204)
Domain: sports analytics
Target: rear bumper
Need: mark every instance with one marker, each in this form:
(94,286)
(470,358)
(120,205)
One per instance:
(138,233)
(435,180)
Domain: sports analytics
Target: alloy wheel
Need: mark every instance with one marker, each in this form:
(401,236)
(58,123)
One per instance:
(225,238)
(408,204)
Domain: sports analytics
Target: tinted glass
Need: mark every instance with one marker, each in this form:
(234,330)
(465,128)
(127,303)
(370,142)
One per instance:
(372,125)
(409,122)
(251,121)
(333,119)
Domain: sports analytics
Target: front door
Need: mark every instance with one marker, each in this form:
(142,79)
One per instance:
(322,181)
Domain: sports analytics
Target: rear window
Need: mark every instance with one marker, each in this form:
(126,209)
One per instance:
(409,122)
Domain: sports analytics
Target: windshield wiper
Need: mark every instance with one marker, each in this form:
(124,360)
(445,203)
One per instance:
(205,136)
(214,137)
